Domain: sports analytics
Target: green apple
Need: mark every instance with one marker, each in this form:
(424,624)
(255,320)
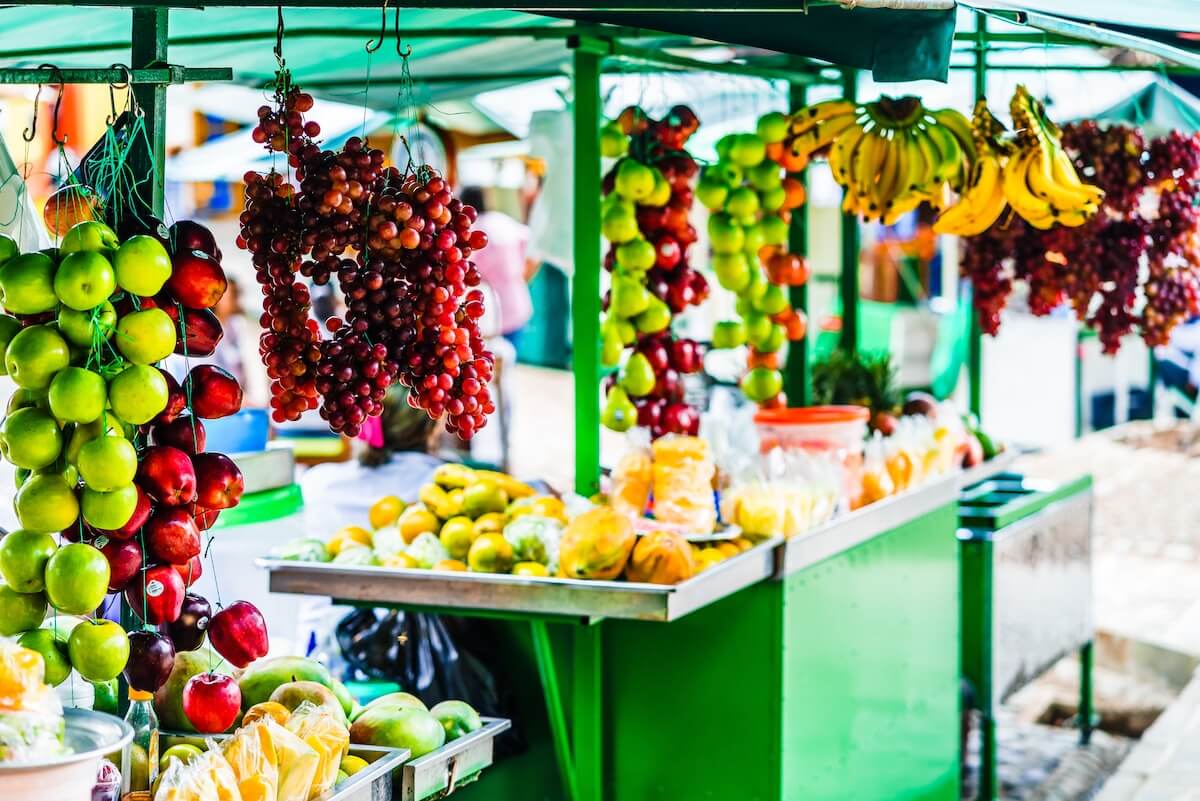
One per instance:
(712,192)
(637,254)
(27,284)
(77,578)
(772,199)
(660,195)
(109,510)
(723,147)
(142,265)
(63,469)
(775,231)
(727,172)
(758,327)
(634,180)
(772,301)
(146,336)
(766,175)
(83,433)
(138,393)
(54,655)
(732,270)
(89,235)
(613,141)
(729,334)
(23,557)
(21,475)
(747,150)
(34,355)
(31,438)
(752,240)
(8,248)
(83,328)
(772,341)
(98,649)
(725,235)
(655,318)
(742,203)
(762,384)
(84,280)
(9,326)
(20,611)
(619,224)
(78,395)
(46,502)
(106,463)
(22,398)
(773,126)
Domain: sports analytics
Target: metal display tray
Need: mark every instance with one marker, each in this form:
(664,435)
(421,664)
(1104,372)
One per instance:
(524,594)
(452,765)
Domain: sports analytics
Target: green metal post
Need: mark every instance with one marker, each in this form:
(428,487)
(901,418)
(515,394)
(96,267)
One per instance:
(544,656)
(850,250)
(975,344)
(588,712)
(585,282)
(1086,658)
(149,48)
(1079,384)
(796,377)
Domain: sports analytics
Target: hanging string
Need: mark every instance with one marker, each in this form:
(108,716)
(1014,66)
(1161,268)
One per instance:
(279,36)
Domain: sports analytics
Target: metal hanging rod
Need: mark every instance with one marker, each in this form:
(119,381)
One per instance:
(109,75)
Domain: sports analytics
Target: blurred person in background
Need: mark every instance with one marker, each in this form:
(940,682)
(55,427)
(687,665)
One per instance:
(504,264)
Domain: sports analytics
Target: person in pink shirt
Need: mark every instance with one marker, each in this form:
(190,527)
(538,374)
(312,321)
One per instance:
(503,264)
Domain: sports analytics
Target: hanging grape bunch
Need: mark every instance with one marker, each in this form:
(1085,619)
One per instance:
(399,245)
(645,218)
(115,485)
(1133,266)
(751,199)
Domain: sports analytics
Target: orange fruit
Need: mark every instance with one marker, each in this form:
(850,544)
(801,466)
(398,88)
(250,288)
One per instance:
(416,520)
(385,511)
(450,564)
(348,536)
(794,192)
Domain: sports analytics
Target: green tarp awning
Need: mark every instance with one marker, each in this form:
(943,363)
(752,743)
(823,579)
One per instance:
(1157,109)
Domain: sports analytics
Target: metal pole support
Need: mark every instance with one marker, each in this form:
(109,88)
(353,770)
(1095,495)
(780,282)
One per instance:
(796,376)
(975,338)
(848,283)
(149,48)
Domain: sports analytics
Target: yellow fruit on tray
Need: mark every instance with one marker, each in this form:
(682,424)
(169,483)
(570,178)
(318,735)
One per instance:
(267,709)
(707,558)
(728,549)
(661,557)
(385,511)
(399,560)
(452,476)
(483,497)
(348,536)
(530,569)
(511,486)
(549,506)
(450,564)
(352,764)
(742,544)
(416,520)
(596,545)
(491,553)
(457,535)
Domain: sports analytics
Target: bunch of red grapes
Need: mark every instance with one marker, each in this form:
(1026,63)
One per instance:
(660,143)
(1142,247)
(399,246)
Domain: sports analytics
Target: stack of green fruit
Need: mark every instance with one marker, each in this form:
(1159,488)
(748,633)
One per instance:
(751,199)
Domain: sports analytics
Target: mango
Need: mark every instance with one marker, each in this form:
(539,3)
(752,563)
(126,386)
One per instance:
(399,727)
(294,693)
(457,718)
(596,545)
(264,676)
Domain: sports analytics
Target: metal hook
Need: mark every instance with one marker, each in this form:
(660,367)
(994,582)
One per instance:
(372,45)
(30,133)
(127,84)
(406,52)
(279,35)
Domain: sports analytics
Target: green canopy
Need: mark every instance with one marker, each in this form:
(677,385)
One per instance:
(1157,109)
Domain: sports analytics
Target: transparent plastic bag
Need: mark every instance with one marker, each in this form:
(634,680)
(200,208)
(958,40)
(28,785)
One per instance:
(208,777)
(327,736)
(683,477)
(877,482)
(632,480)
(251,754)
(31,714)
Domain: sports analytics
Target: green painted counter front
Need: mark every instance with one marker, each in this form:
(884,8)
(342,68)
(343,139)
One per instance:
(839,681)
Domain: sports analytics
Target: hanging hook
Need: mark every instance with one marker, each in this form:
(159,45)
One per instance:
(279,35)
(126,84)
(372,45)
(404,53)
(30,133)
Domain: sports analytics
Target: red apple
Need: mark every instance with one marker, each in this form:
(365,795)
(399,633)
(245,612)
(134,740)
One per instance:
(651,218)
(211,702)
(124,561)
(687,236)
(158,597)
(667,252)
(219,482)
(141,513)
(679,418)
(214,392)
(197,280)
(172,536)
(680,295)
(191,571)
(699,286)
(134,224)
(668,386)
(239,633)
(201,333)
(685,355)
(151,659)
(184,432)
(187,633)
(205,518)
(656,353)
(649,412)
(176,400)
(190,235)
(166,474)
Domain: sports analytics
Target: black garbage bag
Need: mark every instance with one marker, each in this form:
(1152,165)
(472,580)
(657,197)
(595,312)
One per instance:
(436,658)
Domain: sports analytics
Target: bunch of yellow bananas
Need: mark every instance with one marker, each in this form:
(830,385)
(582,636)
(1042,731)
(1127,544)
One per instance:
(890,155)
(982,200)
(1040,182)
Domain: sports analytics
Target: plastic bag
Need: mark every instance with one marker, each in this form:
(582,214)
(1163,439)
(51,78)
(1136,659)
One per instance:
(327,736)
(632,480)
(251,754)
(31,715)
(535,539)
(297,761)
(877,481)
(683,475)
(208,777)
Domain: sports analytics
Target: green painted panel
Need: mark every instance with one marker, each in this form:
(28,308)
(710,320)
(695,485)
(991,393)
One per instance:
(694,704)
(871,669)
(976,562)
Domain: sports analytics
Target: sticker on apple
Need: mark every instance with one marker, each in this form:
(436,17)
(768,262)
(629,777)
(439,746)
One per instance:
(154,588)
(100,542)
